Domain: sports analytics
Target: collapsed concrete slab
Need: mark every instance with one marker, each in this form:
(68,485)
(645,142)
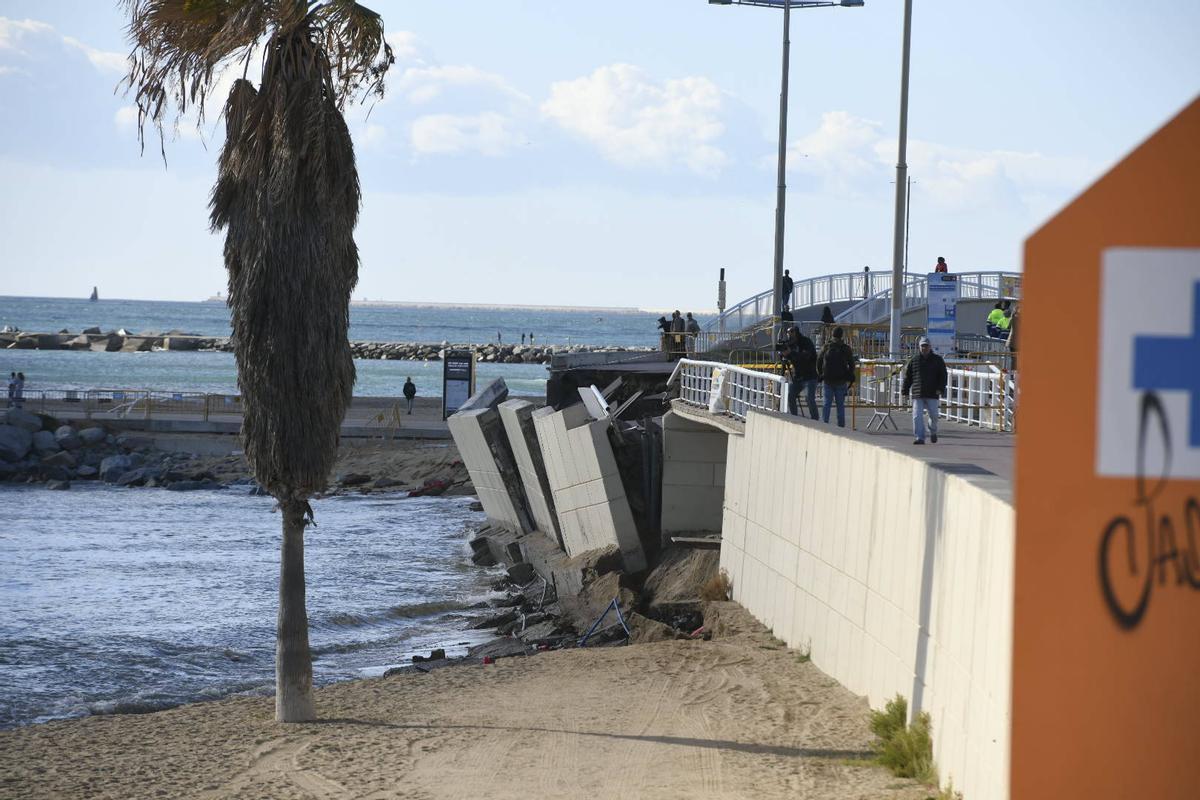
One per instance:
(585,484)
(483,444)
(489,396)
(517,416)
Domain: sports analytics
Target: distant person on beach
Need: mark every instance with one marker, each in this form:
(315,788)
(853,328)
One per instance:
(531,338)
(19,391)
(664,335)
(786,286)
(925,375)
(410,391)
(693,329)
(941,265)
(522,338)
(836,366)
(498,339)
(12,388)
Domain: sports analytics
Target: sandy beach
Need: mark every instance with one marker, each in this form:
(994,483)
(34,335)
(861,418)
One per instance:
(739,716)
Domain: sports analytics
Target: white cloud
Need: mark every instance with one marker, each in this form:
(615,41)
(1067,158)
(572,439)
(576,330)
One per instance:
(14,31)
(423,84)
(13,71)
(17,34)
(850,155)
(404,45)
(126,117)
(636,121)
(488,133)
(102,60)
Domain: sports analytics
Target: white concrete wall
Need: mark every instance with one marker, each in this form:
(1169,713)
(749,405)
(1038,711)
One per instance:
(517,416)
(897,577)
(589,497)
(693,476)
(471,431)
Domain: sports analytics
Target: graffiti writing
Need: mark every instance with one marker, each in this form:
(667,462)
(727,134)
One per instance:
(1170,544)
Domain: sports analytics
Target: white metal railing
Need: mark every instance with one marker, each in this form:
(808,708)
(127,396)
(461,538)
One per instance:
(822,290)
(977,394)
(728,390)
(971,286)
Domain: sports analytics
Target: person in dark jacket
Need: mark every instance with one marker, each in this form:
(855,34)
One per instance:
(410,391)
(785,287)
(801,356)
(836,366)
(925,376)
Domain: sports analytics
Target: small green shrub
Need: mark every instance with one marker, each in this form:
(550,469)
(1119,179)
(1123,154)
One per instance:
(905,750)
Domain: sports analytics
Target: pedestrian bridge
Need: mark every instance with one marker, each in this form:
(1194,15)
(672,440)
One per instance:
(862,299)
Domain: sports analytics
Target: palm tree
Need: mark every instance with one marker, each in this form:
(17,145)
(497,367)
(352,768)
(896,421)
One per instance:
(287,197)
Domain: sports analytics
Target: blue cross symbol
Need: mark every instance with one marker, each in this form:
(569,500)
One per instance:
(1173,363)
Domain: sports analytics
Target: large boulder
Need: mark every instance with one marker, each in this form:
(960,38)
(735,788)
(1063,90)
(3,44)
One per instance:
(15,442)
(68,438)
(94,330)
(92,436)
(108,344)
(59,486)
(131,442)
(139,477)
(60,459)
(44,442)
(23,419)
(113,467)
(86,472)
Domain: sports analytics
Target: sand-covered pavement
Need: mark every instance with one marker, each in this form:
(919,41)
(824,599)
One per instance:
(739,716)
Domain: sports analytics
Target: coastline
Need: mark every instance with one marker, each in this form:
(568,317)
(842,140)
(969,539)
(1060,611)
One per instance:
(737,716)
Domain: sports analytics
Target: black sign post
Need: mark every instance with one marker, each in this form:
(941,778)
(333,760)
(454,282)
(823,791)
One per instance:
(458,379)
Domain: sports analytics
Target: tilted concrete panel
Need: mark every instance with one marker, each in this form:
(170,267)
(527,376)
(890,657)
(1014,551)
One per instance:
(483,445)
(589,498)
(517,416)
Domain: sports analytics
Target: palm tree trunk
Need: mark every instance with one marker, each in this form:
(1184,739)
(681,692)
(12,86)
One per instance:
(293,661)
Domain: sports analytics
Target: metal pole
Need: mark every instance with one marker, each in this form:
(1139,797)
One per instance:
(901,182)
(907,220)
(780,197)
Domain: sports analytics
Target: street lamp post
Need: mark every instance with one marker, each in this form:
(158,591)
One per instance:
(781,188)
(901,186)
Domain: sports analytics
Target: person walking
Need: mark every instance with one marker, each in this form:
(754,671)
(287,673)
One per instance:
(19,391)
(925,376)
(531,338)
(522,338)
(836,367)
(801,355)
(12,388)
(786,286)
(941,265)
(410,391)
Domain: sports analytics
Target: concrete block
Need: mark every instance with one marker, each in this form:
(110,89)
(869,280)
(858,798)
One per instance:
(517,416)
(483,443)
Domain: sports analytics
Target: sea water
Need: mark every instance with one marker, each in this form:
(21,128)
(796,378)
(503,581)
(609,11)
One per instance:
(217,373)
(130,600)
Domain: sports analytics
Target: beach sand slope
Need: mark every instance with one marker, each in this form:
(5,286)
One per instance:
(739,716)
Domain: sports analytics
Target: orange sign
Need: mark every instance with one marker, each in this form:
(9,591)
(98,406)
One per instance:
(1106,639)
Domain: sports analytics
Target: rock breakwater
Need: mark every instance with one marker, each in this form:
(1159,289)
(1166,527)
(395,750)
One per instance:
(127,341)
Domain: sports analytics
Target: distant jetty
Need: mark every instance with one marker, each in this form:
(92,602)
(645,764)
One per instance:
(124,341)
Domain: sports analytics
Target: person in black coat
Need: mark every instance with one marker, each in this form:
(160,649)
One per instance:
(410,391)
(926,377)
(800,354)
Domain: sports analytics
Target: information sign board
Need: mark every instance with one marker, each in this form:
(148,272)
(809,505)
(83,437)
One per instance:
(942,297)
(458,379)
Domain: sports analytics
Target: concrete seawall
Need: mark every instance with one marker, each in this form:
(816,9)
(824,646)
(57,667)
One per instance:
(894,574)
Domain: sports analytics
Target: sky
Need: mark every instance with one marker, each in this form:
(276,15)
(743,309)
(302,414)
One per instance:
(609,154)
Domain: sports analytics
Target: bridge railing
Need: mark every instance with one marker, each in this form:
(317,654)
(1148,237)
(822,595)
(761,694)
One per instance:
(728,390)
(821,290)
(971,286)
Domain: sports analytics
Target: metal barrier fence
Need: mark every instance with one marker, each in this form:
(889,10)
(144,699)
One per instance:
(978,394)
(130,403)
(728,390)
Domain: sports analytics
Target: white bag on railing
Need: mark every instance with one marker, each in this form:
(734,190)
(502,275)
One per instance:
(718,402)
